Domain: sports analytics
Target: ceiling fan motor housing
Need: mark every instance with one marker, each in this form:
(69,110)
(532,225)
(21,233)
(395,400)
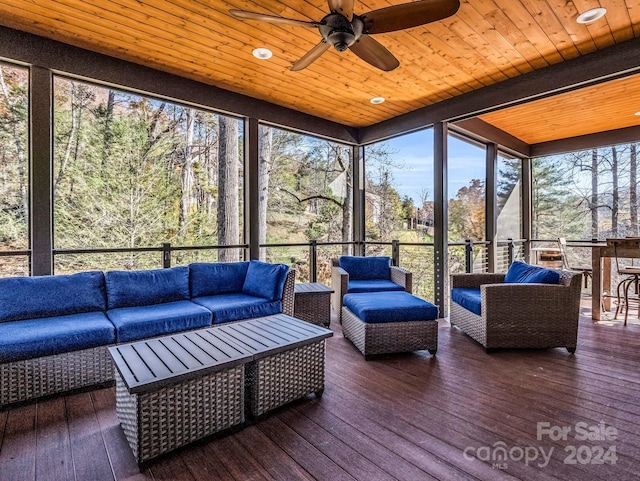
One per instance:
(338,31)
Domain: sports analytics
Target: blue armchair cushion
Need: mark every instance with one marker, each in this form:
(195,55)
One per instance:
(468,298)
(147,287)
(48,296)
(139,322)
(523,273)
(265,280)
(366,268)
(46,336)
(374,285)
(389,307)
(234,307)
(211,278)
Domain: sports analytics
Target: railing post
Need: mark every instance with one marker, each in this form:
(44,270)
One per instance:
(166,254)
(395,252)
(511,247)
(468,251)
(313,260)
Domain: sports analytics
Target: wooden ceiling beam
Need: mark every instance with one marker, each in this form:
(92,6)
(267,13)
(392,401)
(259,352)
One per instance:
(617,61)
(586,142)
(487,132)
(31,49)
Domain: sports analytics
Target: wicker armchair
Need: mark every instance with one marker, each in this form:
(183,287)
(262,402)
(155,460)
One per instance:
(340,283)
(520,315)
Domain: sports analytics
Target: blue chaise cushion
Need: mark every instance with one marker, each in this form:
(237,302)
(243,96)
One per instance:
(469,298)
(366,268)
(211,278)
(389,307)
(48,296)
(147,287)
(31,338)
(523,273)
(237,306)
(374,285)
(139,322)
(265,280)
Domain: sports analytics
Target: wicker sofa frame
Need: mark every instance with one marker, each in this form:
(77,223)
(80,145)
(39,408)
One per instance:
(29,379)
(521,315)
(340,280)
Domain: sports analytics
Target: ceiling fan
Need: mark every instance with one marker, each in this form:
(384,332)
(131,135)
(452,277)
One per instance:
(344,30)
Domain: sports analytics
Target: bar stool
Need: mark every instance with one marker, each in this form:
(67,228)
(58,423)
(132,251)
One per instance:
(631,277)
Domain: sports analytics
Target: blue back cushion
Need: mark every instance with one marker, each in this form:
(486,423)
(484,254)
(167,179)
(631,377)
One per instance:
(521,273)
(265,280)
(211,278)
(366,268)
(48,296)
(143,288)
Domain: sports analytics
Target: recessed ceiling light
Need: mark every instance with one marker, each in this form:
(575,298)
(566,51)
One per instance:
(377,100)
(591,15)
(262,53)
(637,114)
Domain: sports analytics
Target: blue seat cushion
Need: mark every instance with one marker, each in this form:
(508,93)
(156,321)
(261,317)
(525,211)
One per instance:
(234,307)
(48,296)
(523,273)
(146,287)
(468,298)
(265,280)
(211,278)
(139,322)
(389,307)
(354,287)
(366,268)
(46,336)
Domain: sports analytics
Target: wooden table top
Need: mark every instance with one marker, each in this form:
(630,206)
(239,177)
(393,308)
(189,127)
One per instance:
(266,336)
(154,363)
(311,288)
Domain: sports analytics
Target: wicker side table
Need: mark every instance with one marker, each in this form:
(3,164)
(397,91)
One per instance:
(313,303)
(176,389)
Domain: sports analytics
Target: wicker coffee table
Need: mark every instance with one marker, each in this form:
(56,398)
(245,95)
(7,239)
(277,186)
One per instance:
(176,389)
(288,359)
(312,303)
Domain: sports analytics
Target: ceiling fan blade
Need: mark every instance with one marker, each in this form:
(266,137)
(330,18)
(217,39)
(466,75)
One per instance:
(345,7)
(311,56)
(244,15)
(407,15)
(372,51)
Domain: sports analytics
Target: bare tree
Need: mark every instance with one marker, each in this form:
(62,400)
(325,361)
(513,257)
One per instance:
(633,190)
(265,152)
(228,215)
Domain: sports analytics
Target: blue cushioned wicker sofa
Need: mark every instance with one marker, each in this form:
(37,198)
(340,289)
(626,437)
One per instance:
(55,330)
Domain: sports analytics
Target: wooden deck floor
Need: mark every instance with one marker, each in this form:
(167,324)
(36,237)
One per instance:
(409,417)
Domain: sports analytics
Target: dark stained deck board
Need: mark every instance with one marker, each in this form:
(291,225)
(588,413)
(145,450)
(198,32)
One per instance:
(53,453)
(18,454)
(407,416)
(90,459)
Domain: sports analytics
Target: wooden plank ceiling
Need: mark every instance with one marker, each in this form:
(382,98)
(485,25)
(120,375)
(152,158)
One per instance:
(486,42)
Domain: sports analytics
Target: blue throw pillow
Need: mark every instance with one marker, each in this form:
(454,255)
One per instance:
(49,296)
(213,278)
(366,268)
(265,280)
(523,273)
(147,287)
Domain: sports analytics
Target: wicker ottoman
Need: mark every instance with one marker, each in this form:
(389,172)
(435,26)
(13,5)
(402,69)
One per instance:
(389,322)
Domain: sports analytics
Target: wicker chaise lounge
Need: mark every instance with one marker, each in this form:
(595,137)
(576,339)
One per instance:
(519,315)
(357,274)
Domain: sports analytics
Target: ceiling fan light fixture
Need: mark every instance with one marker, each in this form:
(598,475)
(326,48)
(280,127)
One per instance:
(262,53)
(377,100)
(591,15)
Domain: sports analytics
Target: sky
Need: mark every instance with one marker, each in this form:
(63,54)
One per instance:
(414,153)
